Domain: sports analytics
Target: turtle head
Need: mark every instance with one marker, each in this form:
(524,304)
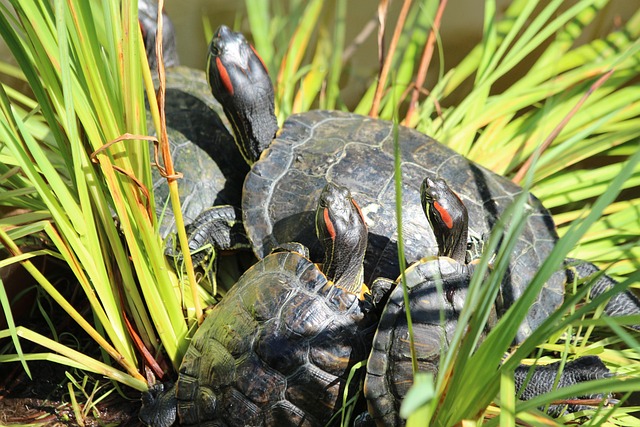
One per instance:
(448,217)
(240,82)
(340,226)
(148,20)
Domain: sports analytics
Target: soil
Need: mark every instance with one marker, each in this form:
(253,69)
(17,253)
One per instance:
(44,399)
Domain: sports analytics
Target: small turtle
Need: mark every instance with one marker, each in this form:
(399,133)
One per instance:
(278,349)
(201,148)
(437,286)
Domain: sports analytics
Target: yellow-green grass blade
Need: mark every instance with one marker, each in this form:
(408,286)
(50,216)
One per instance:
(339,21)
(507,400)
(8,317)
(287,80)
(407,55)
(582,184)
(314,75)
(260,20)
(70,357)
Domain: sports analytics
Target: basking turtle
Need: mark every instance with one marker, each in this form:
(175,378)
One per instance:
(278,349)
(201,146)
(437,286)
(315,147)
(288,172)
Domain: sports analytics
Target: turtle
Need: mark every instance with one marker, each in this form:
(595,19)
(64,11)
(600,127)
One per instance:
(291,165)
(279,347)
(148,18)
(201,146)
(437,286)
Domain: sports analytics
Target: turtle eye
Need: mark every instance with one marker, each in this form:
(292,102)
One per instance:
(215,48)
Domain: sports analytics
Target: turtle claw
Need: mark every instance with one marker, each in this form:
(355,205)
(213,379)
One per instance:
(379,292)
(159,405)
(220,227)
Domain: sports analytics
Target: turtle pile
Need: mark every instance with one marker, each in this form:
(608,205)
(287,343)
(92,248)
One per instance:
(315,201)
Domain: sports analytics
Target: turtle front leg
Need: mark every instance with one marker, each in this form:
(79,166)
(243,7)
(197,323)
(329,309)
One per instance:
(379,293)
(215,230)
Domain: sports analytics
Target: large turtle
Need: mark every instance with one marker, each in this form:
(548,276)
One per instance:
(278,349)
(437,289)
(317,147)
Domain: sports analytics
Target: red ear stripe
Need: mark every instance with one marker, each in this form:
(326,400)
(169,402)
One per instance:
(329,224)
(259,57)
(224,76)
(444,215)
(359,211)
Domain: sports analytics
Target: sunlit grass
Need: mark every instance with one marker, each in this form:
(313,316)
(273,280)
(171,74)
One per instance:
(87,100)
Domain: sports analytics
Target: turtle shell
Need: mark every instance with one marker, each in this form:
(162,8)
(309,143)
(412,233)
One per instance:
(389,369)
(202,150)
(276,351)
(358,152)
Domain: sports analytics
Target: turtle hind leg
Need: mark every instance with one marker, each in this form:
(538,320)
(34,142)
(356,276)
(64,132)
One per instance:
(621,304)
(159,405)
(542,379)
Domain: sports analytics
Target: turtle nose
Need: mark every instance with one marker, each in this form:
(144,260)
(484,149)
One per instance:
(223,31)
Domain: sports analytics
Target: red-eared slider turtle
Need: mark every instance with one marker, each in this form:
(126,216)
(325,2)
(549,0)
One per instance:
(201,146)
(316,147)
(288,172)
(437,286)
(278,349)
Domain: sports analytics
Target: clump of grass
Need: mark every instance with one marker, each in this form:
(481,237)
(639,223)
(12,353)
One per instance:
(77,172)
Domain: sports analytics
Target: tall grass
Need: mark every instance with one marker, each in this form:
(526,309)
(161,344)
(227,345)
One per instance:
(87,183)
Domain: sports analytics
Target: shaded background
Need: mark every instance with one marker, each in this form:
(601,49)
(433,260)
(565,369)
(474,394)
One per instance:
(461,29)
